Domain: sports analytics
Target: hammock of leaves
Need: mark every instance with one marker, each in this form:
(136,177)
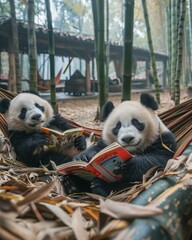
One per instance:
(179,120)
(33,203)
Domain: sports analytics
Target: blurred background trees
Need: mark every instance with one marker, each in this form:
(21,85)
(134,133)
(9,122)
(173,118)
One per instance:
(170,30)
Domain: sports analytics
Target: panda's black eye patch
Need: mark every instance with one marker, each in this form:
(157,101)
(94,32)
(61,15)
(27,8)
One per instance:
(140,126)
(115,130)
(40,107)
(22,114)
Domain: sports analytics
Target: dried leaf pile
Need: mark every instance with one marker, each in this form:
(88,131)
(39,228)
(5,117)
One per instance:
(33,204)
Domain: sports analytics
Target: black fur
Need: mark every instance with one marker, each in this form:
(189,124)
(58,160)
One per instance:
(106,110)
(29,146)
(140,126)
(87,155)
(156,155)
(115,130)
(148,101)
(4,105)
(25,144)
(22,114)
(133,170)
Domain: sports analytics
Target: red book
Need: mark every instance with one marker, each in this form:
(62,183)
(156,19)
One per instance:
(106,164)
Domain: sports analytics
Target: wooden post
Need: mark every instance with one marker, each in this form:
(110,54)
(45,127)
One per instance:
(12,71)
(189,91)
(87,75)
(118,67)
(147,64)
(164,74)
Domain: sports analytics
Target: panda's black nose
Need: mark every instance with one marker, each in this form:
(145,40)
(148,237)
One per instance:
(36,116)
(127,139)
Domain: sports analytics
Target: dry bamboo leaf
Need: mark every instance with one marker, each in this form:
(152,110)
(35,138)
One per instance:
(94,196)
(11,196)
(113,226)
(94,214)
(15,228)
(174,164)
(60,213)
(79,204)
(189,162)
(42,226)
(7,235)
(9,187)
(148,174)
(38,194)
(59,233)
(79,226)
(126,210)
(127,194)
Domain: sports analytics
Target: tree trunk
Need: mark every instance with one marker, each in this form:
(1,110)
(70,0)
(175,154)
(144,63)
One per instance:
(15,45)
(32,46)
(12,72)
(173,46)
(127,50)
(107,48)
(190,36)
(152,56)
(99,27)
(51,55)
(168,21)
(175,201)
(181,20)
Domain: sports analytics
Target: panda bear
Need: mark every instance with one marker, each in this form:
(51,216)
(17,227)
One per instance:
(26,113)
(136,127)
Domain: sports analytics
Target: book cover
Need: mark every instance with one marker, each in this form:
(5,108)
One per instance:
(105,165)
(60,140)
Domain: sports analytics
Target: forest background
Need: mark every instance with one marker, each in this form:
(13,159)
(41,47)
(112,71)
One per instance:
(168,30)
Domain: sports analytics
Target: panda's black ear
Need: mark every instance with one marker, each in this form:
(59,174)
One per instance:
(148,101)
(4,105)
(106,110)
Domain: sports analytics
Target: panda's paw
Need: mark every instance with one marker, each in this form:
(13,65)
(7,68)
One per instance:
(40,138)
(100,187)
(80,143)
(38,143)
(90,152)
(85,156)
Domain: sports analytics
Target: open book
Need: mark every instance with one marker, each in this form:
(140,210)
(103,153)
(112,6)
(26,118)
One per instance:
(60,140)
(105,165)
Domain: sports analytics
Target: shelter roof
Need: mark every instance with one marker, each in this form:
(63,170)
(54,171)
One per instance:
(67,44)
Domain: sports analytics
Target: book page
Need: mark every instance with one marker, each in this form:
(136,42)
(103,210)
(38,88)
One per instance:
(76,168)
(109,162)
(60,140)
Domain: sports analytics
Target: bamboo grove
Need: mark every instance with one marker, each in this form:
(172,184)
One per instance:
(175,18)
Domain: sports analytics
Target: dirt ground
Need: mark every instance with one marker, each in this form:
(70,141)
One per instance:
(83,111)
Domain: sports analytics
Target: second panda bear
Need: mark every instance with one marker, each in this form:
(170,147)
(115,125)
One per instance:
(26,114)
(136,127)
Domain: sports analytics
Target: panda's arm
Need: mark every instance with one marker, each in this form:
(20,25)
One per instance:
(62,124)
(136,167)
(155,155)
(26,144)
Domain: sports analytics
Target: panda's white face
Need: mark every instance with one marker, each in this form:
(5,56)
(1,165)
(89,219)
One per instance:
(28,112)
(133,126)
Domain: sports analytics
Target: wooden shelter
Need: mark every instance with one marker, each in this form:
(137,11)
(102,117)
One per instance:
(80,46)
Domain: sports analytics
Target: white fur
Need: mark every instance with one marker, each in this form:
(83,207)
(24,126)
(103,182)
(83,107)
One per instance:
(28,100)
(124,113)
